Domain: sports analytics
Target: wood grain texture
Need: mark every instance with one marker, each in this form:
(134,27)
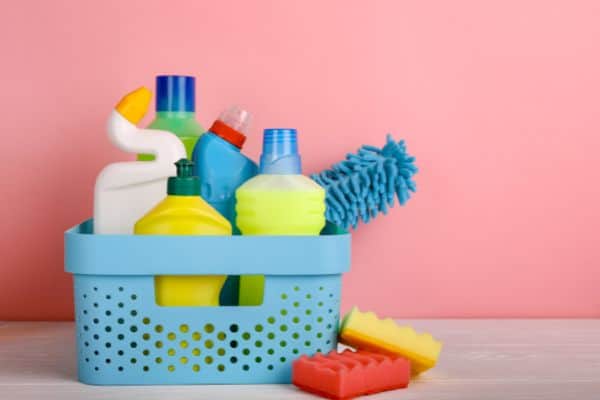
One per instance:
(481,359)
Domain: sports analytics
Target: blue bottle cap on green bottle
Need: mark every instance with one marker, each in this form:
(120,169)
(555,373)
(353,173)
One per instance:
(175,93)
(280,152)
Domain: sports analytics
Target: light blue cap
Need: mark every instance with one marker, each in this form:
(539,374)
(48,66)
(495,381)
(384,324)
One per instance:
(280,152)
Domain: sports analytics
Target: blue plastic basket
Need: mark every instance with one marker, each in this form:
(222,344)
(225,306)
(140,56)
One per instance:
(125,338)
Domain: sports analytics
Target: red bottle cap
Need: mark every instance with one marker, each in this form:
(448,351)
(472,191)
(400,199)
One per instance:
(226,132)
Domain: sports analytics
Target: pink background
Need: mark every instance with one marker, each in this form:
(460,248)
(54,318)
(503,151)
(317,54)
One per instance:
(499,101)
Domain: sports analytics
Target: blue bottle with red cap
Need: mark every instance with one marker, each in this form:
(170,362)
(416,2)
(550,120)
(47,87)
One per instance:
(220,164)
(222,168)
(176,110)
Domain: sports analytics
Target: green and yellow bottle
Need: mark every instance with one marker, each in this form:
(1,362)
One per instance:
(278,201)
(176,111)
(184,212)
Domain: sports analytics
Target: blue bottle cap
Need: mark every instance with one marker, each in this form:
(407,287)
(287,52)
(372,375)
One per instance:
(175,93)
(280,152)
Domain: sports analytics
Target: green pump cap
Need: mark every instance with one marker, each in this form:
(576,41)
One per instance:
(185,183)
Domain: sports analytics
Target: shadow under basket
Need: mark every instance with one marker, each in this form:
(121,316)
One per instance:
(125,338)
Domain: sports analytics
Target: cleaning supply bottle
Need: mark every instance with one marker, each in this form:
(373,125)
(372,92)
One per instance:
(278,201)
(222,168)
(184,212)
(220,165)
(176,110)
(124,191)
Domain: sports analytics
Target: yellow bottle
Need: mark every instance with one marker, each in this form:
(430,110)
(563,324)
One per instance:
(184,212)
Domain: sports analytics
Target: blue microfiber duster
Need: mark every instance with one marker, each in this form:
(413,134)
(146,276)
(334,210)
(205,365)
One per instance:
(366,183)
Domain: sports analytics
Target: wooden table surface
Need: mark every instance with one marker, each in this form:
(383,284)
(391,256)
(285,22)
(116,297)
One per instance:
(481,359)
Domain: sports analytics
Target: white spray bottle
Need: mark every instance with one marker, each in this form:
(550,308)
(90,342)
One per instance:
(125,191)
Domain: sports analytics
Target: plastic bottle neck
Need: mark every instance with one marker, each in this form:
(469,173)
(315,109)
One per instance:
(286,165)
(280,153)
(175,115)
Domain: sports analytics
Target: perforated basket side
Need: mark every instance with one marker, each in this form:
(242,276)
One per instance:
(123,337)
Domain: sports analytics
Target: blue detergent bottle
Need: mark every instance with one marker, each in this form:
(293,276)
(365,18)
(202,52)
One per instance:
(219,163)
(222,168)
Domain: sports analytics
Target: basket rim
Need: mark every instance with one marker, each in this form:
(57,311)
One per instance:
(90,254)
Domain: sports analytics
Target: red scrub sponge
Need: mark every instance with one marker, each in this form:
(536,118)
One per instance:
(350,374)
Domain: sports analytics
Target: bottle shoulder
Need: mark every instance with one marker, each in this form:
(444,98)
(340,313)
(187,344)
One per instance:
(213,143)
(284,179)
(216,154)
(179,126)
(284,183)
(183,215)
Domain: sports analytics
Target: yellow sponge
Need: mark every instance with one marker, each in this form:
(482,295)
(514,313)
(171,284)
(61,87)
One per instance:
(366,331)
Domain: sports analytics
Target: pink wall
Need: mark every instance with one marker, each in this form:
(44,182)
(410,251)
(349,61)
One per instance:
(499,101)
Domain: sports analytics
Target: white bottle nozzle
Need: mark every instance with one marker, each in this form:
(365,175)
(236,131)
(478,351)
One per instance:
(124,191)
